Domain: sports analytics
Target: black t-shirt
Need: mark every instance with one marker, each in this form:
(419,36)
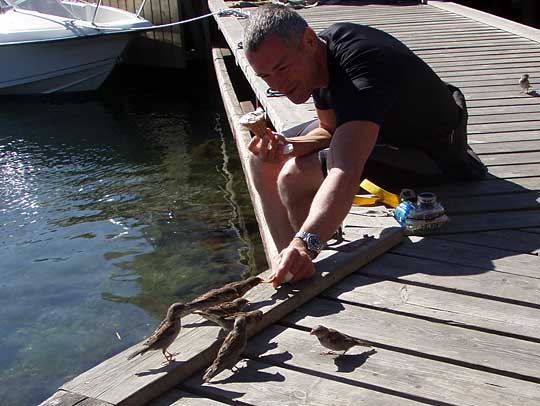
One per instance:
(375,77)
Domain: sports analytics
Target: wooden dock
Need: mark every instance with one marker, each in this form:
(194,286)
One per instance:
(455,317)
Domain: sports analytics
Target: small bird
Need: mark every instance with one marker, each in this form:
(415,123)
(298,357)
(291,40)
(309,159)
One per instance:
(242,287)
(213,298)
(230,351)
(165,334)
(227,323)
(525,84)
(224,309)
(336,341)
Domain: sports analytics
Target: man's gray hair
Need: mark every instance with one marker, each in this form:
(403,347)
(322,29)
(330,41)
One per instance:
(276,19)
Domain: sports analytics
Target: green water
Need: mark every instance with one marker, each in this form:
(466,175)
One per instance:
(112,206)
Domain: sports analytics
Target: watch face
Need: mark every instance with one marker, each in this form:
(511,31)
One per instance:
(314,243)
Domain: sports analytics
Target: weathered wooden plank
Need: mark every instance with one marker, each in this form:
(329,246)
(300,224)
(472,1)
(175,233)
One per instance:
(452,277)
(63,398)
(461,223)
(488,187)
(485,50)
(485,18)
(242,138)
(441,306)
(505,63)
(483,204)
(493,71)
(473,281)
(504,118)
(506,147)
(515,171)
(257,383)
(471,94)
(440,382)
(511,158)
(467,255)
(481,57)
(506,110)
(503,137)
(473,105)
(503,127)
(177,397)
(507,356)
(510,240)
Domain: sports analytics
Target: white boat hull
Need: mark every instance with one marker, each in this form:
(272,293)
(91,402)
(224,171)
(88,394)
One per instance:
(45,53)
(78,64)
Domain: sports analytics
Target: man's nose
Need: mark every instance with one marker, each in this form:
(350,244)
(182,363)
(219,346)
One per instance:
(277,82)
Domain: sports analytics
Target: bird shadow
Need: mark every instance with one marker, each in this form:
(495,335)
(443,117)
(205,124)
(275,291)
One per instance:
(533,93)
(348,363)
(199,324)
(165,368)
(251,373)
(280,358)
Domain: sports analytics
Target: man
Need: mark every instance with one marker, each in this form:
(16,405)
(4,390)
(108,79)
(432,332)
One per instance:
(383,114)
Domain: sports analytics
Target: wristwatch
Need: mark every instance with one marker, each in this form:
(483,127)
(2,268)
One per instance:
(312,242)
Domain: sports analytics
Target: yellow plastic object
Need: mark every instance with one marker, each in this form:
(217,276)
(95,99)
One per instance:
(384,196)
(366,200)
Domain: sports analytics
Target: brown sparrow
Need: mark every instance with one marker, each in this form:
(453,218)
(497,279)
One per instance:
(213,298)
(230,351)
(336,341)
(242,287)
(525,84)
(227,323)
(224,309)
(165,334)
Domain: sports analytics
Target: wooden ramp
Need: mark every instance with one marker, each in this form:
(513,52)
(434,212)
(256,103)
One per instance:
(455,317)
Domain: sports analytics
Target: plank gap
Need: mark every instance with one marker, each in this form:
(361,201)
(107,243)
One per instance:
(434,319)
(440,358)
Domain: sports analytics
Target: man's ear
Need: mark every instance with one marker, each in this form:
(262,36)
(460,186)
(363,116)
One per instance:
(310,39)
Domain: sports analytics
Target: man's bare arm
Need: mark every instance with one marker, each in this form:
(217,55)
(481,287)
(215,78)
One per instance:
(350,148)
(316,139)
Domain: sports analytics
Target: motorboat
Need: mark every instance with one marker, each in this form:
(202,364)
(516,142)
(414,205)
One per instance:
(50,46)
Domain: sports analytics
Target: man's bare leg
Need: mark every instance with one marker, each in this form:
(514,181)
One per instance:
(265,177)
(298,183)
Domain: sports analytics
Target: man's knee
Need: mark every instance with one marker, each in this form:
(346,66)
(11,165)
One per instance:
(300,174)
(288,175)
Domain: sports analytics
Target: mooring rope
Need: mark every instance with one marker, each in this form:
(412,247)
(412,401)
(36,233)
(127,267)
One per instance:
(222,13)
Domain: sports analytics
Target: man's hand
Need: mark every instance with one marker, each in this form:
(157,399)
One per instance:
(268,148)
(296,260)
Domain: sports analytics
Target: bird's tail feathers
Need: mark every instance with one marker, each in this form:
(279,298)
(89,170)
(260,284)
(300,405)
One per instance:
(138,352)
(210,373)
(364,343)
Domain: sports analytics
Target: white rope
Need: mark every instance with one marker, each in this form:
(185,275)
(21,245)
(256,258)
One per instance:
(221,13)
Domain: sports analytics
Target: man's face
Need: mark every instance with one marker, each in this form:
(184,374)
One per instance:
(289,70)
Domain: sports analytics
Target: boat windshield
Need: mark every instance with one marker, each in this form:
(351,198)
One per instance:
(4,5)
(51,7)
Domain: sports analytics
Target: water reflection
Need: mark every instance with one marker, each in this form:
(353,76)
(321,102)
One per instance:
(112,206)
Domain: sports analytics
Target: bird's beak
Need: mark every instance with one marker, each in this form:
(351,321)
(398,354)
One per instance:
(311,333)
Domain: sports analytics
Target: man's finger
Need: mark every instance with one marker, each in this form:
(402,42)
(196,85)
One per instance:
(253,145)
(263,149)
(306,272)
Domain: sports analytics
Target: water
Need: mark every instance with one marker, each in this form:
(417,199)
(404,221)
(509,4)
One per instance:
(112,206)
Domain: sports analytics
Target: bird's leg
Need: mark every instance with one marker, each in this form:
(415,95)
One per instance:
(328,353)
(168,356)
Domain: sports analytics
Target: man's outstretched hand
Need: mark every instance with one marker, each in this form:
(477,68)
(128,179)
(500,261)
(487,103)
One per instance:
(294,260)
